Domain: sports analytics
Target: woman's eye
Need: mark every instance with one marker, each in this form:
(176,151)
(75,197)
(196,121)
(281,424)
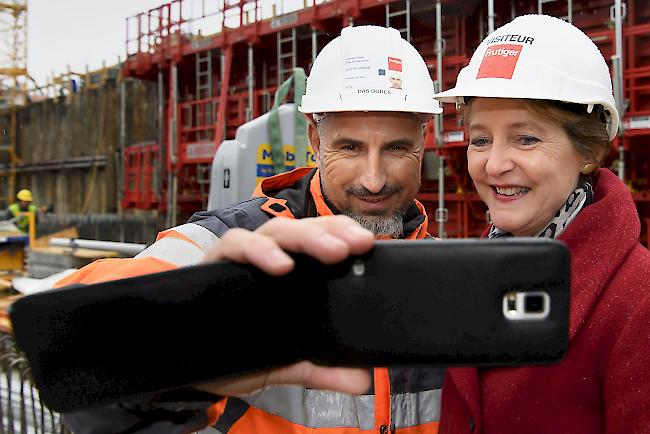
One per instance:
(527,140)
(479,141)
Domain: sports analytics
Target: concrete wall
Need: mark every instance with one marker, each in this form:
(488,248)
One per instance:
(82,124)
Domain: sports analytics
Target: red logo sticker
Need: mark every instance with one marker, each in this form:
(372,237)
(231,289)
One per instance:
(394,64)
(499,61)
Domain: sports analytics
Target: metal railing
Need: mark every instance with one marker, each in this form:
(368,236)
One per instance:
(21,409)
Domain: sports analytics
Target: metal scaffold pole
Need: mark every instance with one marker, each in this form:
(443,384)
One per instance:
(161,148)
(251,83)
(314,45)
(172,178)
(490,16)
(120,167)
(619,95)
(441,212)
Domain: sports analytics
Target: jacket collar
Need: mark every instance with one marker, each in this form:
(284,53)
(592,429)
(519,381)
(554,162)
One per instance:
(599,239)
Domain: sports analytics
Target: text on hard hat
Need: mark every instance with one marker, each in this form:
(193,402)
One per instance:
(522,39)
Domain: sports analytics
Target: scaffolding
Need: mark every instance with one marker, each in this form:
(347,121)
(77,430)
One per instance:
(172,44)
(13,89)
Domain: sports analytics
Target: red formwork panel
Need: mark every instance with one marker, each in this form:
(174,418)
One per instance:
(140,177)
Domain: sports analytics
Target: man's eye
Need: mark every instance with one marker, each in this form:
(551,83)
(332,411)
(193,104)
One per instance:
(349,147)
(528,140)
(479,141)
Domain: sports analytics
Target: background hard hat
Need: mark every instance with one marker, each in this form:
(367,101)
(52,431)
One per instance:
(24,195)
(356,70)
(538,57)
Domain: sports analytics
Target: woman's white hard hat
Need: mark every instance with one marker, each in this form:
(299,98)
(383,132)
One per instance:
(353,71)
(538,57)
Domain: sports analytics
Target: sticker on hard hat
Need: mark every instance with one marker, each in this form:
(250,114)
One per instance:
(394,64)
(358,69)
(500,61)
(370,71)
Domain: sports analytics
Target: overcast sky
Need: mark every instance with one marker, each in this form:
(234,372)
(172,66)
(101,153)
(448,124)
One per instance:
(77,33)
(85,32)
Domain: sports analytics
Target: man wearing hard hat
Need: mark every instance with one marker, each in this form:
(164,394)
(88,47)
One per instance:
(368,130)
(21,208)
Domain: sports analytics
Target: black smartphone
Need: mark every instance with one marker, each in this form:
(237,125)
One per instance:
(431,302)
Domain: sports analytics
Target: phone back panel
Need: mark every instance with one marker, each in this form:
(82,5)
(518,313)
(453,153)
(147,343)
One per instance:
(448,308)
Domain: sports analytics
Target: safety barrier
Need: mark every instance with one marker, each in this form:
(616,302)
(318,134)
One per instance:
(21,409)
(125,228)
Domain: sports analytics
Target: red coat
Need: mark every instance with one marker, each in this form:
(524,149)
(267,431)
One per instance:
(603,385)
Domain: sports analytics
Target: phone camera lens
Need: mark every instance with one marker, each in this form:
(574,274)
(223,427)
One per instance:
(534,304)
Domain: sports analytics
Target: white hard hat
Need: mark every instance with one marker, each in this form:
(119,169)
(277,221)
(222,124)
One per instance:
(369,68)
(538,57)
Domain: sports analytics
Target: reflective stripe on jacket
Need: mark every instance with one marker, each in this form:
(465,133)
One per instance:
(405,401)
(402,400)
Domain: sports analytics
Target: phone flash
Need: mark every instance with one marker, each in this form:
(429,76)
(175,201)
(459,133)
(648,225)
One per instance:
(358,268)
(526,305)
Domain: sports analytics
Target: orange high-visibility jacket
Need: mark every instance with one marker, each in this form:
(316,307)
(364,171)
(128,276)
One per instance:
(402,400)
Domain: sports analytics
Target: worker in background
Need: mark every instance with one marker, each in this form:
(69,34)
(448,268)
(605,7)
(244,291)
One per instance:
(20,210)
(369,138)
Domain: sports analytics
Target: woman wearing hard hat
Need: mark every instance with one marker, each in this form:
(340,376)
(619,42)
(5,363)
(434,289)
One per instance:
(539,112)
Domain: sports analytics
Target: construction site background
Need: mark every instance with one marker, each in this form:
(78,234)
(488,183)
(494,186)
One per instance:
(123,152)
(69,150)
(138,138)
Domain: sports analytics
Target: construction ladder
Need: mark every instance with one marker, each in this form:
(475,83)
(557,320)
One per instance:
(568,17)
(403,8)
(204,91)
(286,54)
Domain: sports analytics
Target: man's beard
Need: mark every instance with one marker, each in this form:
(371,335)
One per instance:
(381,226)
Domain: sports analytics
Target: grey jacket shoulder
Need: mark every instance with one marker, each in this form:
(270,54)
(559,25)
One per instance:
(246,215)
(174,412)
(116,418)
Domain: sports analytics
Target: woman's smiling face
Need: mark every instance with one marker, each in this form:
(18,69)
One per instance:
(524,167)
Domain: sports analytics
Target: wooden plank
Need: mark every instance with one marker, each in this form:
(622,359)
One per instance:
(65,233)
(94,254)
(78,253)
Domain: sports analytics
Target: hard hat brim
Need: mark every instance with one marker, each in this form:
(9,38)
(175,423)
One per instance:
(497,88)
(397,102)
